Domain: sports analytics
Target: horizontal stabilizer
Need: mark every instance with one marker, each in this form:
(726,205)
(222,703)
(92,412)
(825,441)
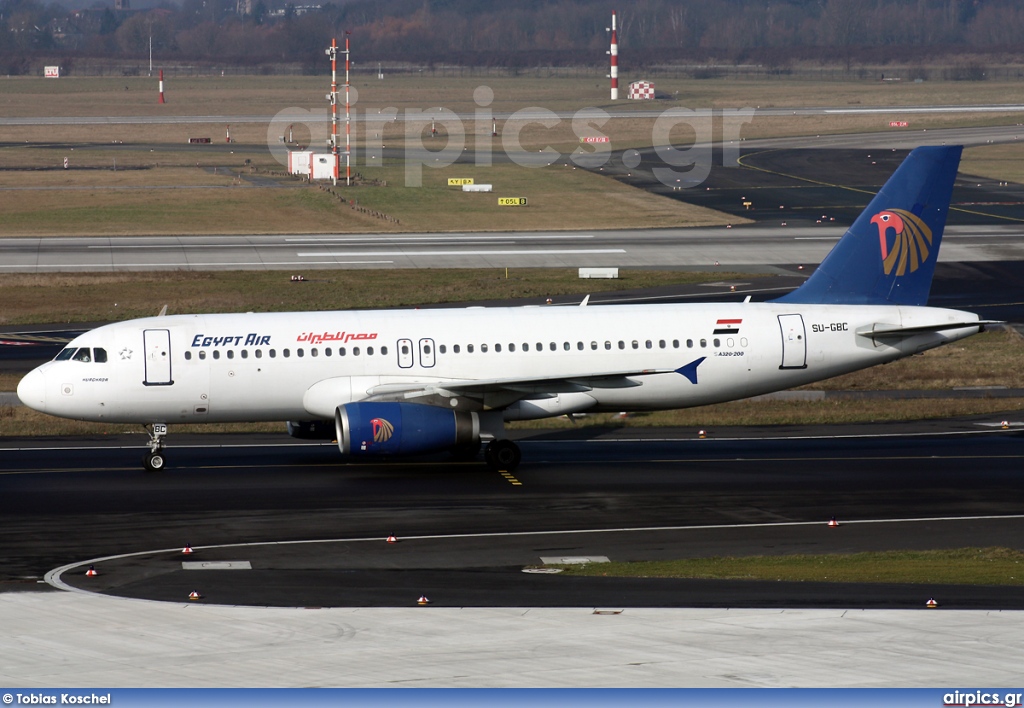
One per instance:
(891,330)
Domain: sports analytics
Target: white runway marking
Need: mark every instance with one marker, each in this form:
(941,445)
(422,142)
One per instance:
(516,252)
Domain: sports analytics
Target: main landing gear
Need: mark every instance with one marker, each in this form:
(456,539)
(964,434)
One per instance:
(502,455)
(154,459)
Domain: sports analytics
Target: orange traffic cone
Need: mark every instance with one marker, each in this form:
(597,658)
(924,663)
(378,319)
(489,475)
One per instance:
(423,600)
(701,434)
(1005,424)
(187,549)
(931,604)
(392,539)
(91,573)
(832,523)
(194,595)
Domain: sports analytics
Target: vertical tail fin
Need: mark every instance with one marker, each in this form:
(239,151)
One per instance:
(888,256)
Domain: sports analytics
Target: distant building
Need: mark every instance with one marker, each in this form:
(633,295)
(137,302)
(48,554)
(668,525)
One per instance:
(122,5)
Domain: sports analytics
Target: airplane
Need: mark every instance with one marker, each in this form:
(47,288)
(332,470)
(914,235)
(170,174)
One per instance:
(386,383)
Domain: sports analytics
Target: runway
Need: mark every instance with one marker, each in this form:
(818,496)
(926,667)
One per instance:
(526,114)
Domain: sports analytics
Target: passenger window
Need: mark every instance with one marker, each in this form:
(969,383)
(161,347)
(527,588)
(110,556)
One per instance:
(328,351)
(245,353)
(648,344)
(483,348)
(355,351)
(526,346)
(384,351)
(579,345)
(259,353)
(442,348)
(689,344)
(553,347)
(342,351)
(497,348)
(636,344)
(565,346)
(675,343)
(216,353)
(405,349)
(300,352)
(369,351)
(661,343)
(593,345)
(82,355)
(286,353)
(202,355)
(607,344)
(455,348)
(622,345)
(188,356)
(99,355)
(717,342)
(540,346)
(314,352)
(511,347)
(469,348)
(273,353)
(703,343)
(231,353)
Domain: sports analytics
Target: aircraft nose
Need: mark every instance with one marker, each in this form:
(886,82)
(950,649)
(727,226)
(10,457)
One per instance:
(32,390)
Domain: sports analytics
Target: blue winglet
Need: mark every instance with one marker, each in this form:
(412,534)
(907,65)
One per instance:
(690,370)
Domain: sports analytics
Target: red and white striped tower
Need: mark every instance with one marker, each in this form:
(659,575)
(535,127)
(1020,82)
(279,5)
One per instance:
(348,121)
(333,53)
(161,87)
(615,60)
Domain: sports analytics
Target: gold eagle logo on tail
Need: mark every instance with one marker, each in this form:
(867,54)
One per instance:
(911,245)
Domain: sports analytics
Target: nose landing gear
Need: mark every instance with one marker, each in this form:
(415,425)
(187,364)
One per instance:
(154,459)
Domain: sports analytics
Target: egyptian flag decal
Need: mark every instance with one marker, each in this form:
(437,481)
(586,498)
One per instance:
(727,326)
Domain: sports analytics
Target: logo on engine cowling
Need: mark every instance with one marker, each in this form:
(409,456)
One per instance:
(382,430)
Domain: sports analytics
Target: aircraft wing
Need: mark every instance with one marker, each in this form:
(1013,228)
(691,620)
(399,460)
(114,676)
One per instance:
(521,387)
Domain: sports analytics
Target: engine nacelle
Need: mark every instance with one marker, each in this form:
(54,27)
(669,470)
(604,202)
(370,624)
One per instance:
(311,429)
(403,428)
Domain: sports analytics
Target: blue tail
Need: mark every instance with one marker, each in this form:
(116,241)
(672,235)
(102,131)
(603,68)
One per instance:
(888,256)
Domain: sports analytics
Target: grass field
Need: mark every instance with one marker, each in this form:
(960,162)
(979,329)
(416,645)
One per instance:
(961,566)
(215,95)
(164,193)
(91,297)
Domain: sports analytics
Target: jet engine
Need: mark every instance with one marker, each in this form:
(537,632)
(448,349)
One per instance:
(365,429)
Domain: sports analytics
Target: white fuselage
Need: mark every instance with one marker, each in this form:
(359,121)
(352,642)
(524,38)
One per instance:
(300,366)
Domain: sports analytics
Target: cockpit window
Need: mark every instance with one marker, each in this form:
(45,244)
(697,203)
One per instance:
(66,354)
(99,355)
(82,354)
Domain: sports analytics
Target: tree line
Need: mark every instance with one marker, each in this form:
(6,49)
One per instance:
(525,33)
